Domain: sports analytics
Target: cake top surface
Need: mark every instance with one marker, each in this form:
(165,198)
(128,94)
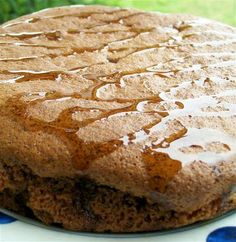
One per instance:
(125,97)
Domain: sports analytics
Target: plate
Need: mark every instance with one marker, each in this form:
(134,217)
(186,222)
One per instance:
(14,228)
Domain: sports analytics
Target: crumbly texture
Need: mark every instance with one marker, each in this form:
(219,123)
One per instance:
(80,204)
(117,120)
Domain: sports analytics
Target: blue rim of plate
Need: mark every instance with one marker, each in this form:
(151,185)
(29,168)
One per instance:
(115,235)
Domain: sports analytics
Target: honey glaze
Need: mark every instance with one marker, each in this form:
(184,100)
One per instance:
(202,138)
(32,45)
(160,166)
(28,75)
(64,128)
(30,20)
(174,147)
(11,81)
(51,35)
(20,58)
(160,169)
(165,143)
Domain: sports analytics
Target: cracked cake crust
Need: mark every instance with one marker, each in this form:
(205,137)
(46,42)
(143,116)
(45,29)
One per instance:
(141,105)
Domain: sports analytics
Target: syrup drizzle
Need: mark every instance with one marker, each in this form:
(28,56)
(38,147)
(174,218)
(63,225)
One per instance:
(26,75)
(158,151)
(51,35)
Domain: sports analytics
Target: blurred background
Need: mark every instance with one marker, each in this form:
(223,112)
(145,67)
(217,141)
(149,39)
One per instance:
(222,10)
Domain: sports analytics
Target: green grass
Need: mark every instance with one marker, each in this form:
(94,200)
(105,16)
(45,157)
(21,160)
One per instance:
(222,10)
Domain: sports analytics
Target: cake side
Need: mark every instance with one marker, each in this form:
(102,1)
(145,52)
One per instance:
(82,205)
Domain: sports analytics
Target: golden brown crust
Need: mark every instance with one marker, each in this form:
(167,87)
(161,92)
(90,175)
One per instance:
(141,102)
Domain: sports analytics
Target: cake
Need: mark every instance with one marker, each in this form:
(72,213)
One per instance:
(117,120)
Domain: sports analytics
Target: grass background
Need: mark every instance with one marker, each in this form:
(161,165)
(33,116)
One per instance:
(222,10)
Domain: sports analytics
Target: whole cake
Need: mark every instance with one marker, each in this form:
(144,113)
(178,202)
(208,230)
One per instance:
(117,120)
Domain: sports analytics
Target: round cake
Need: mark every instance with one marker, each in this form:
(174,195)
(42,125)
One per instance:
(117,120)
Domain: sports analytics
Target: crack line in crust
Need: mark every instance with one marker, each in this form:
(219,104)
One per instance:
(65,128)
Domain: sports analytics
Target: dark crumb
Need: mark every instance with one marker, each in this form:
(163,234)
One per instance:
(81,204)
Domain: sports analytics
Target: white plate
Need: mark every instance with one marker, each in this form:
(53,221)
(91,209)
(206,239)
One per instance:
(22,229)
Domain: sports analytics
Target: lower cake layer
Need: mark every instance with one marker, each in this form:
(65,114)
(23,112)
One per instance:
(81,205)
